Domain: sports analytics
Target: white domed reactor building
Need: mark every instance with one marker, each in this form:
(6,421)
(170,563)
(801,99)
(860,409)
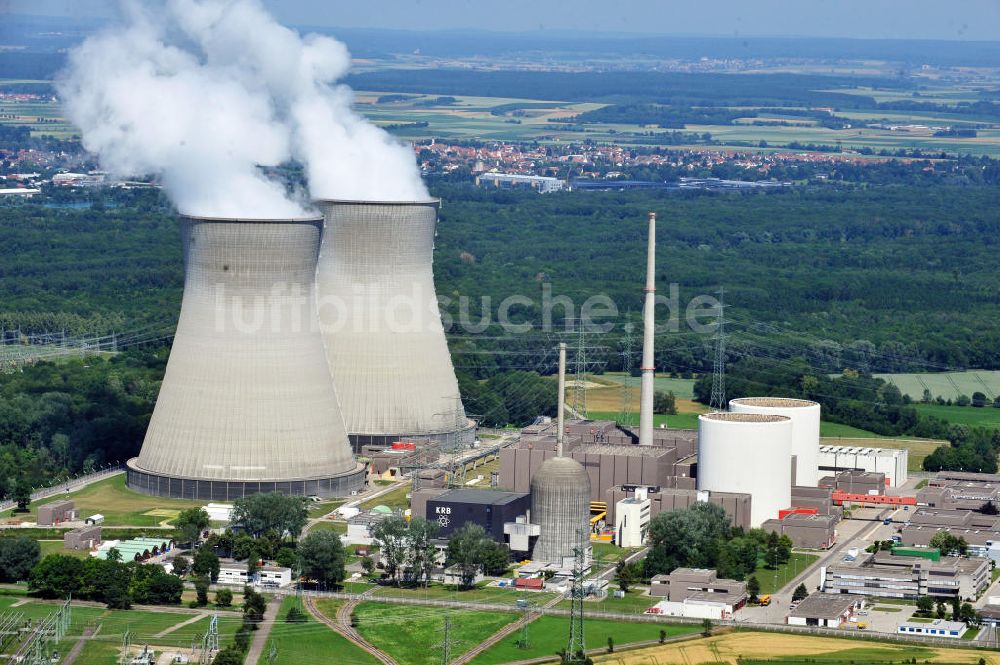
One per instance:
(560,505)
(247,403)
(748,453)
(805,417)
(385,342)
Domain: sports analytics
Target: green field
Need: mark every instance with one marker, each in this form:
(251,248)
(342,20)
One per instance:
(773,580)
(299,643)
(837,430)
(119,505)
(985,416)
(679,421)
(412,635)
(395,499)
(548,635)
(481,594)
(636,601)
(948,385)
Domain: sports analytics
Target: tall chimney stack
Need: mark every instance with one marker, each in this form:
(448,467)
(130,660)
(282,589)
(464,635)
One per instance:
(648,325)
(560,423)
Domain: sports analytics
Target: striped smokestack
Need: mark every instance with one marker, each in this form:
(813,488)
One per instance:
(648,325)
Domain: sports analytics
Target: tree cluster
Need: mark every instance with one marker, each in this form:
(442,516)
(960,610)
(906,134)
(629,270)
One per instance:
(473,551)
(407,550)
(701,537)
(114,583)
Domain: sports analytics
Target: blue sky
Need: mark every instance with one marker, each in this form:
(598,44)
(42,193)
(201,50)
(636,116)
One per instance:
(893,19)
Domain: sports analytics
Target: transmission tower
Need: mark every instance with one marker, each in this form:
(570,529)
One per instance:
(579,390)
(210,643)
(577,643)
(524,642)
(446,642)
(625,416)
(126,646)
(718,399)
(272,653)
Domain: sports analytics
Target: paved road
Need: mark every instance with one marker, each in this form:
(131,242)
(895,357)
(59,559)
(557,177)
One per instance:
(264,630)
(852,533)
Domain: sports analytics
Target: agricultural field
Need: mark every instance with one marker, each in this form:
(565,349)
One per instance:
(503,118)
(299,643)
(412,634)
(986,416)
(44,117)
(742,648)
(947,385)
(548,635)
(119,505)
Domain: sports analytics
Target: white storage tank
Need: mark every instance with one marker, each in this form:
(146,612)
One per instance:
(805,415)
(748,453)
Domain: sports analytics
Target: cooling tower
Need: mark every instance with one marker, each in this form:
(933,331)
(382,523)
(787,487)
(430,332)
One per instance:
(385,343)
(560,505)
(247,404)
(805,430)
(747,453)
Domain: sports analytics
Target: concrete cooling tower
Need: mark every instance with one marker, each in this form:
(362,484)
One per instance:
(385,343)
(560,505)
(805,430)
(747,453)
(247,404)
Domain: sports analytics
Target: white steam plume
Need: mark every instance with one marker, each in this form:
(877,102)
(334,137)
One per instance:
(203,92)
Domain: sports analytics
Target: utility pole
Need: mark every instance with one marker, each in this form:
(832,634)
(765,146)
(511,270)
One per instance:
(718,399)
(524,642)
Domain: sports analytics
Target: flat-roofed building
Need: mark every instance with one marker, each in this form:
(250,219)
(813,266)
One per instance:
(812,531)
(56,512)
(889,461)
(908,577)
(936,628)
(826,610)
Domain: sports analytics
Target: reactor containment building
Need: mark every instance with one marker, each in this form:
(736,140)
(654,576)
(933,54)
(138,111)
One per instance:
(247,403)
(385,341)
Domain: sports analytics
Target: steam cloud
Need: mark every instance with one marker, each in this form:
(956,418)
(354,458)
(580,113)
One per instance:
(205,92)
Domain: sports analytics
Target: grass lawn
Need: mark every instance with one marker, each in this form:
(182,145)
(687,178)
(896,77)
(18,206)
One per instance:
(56,547)
(985,416)
(773,580)
(411,635)
(679,421)
(228,625)
(607,553)
(320,508)
(119,505)
(328,525)
(396,499)
(548,635)
(483,594)
(887,609)
(310,642)
(828,429)
(636,601)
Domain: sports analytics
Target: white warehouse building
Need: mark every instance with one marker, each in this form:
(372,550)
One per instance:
(748,453)
(890,461)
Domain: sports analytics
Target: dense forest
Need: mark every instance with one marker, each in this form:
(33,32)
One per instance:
(818,281)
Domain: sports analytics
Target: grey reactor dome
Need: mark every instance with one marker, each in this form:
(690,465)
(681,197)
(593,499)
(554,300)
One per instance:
(560,505)
(247,403)
(385,343)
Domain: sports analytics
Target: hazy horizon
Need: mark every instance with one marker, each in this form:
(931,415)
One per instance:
(970,20)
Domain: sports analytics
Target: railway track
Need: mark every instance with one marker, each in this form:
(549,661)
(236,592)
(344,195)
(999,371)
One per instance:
(343,626)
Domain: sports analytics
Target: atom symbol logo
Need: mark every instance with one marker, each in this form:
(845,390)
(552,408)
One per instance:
(443,521)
